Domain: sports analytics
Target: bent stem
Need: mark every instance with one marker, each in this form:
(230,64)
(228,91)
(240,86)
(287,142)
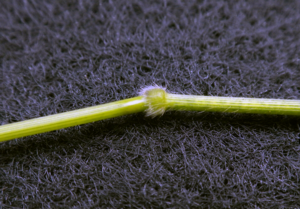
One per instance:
(155,100)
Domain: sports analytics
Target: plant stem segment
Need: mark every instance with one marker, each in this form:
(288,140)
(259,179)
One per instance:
(233,104)
(71,118)
(155,101)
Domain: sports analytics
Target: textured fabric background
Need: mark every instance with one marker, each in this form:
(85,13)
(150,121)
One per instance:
(57,56)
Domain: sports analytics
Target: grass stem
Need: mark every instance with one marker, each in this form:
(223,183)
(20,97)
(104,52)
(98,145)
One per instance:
(155,101)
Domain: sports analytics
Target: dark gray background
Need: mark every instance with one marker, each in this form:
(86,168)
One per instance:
(57,56)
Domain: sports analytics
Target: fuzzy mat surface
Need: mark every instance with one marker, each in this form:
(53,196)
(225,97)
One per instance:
(57,56)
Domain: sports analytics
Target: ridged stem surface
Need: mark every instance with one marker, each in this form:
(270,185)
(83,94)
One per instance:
(233,104)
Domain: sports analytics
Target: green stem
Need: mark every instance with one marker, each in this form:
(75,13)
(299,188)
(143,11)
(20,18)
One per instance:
(71,118)
(155,101)
(233,104)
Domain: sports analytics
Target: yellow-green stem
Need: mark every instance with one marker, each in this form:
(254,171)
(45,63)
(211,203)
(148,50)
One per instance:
(233,104)
(156,101)
(72,118)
